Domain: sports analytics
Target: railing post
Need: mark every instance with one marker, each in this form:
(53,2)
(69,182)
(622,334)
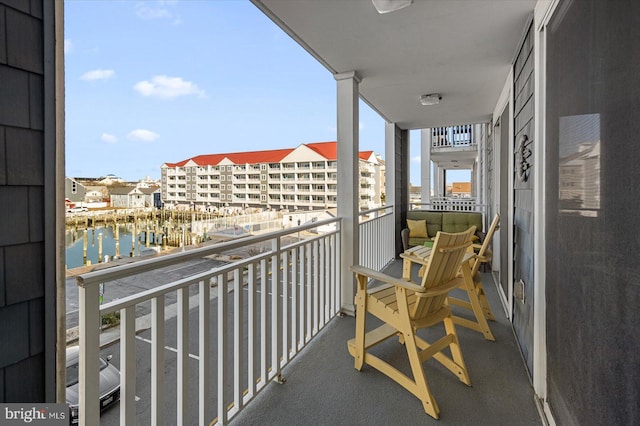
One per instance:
(157,361)
(89,340)
(204,389)
(222,349)
(276,314)
(238,337)
(127,365)
(183,357)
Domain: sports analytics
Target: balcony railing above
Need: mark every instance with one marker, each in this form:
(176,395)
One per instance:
(451,205)
(452,137)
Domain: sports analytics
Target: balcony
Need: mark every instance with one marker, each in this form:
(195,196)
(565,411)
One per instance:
(213,358)
(323,387)
(452,137)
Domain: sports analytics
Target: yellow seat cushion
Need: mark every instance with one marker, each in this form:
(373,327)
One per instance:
(417,228)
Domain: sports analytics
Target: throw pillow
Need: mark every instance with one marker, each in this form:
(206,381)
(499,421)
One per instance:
(417,228)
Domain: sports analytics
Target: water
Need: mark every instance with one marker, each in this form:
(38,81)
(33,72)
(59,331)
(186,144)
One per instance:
(74,238)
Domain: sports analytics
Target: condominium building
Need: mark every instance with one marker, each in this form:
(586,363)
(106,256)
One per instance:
(303,178)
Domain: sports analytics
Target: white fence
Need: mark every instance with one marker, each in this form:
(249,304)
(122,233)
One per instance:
(254,316)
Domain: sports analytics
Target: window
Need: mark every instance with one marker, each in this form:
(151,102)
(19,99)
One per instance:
(229,168)
(263,167)
(188,177)
(263,187)
(263,197)
(229,187)
(222,177)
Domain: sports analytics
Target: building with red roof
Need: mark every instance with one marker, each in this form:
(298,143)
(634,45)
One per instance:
(303,178)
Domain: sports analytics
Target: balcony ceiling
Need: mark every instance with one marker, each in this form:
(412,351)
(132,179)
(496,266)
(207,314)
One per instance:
(461,49)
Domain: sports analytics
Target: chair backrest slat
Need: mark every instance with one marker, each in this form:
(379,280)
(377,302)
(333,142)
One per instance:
(485,244)
(443,266)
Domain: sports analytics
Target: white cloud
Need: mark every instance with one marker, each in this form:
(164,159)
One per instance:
(158,10)
(68,46)
(142,135)
(108,138)
(147,12)
(97,75)
(416,159)
(165,87)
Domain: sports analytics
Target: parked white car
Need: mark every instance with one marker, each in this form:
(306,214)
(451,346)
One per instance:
(77,209)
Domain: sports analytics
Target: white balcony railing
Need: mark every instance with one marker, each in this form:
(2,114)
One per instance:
(377,236)
(453,137)
(270,306)
(304,273)
(451,204)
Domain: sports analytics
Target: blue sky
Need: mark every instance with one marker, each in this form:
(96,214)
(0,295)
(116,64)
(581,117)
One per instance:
(161,81)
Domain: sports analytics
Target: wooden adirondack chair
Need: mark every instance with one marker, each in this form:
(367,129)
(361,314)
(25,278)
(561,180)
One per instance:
(405,307)
(477,302)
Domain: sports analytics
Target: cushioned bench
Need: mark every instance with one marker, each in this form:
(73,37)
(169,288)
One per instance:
(437,221)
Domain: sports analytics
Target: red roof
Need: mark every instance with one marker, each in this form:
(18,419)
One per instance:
(365,155)
(326,149)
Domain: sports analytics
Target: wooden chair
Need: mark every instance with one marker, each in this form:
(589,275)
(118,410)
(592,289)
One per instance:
(406,306)
(477,302)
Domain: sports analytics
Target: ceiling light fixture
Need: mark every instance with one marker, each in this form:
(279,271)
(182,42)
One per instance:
(387,6)
(431,99)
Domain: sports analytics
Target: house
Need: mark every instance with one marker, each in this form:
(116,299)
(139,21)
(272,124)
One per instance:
(151,195)
(126,197)
(110,179)
(74,191)
(96,193)
(132,197)
(542,80)
(460,189)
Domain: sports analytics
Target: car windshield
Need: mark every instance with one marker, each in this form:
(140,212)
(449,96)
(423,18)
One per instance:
(73,371)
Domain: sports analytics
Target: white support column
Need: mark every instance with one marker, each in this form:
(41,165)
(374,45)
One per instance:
(438,178)
(476,171)
(390,136)
(425,165)
(348,176)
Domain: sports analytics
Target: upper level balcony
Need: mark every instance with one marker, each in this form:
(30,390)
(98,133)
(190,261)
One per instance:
(453,137)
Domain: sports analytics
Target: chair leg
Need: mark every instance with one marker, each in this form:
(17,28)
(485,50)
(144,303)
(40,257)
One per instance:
(456,352)
(411,345)
(478,311)
(428,401)
(361,315)
(486,309)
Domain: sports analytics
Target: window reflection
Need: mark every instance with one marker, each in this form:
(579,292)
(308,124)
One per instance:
(579,169)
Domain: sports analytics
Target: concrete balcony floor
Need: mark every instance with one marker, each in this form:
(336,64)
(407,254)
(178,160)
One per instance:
(323,388)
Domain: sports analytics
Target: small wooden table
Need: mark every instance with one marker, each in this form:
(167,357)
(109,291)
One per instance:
(417,254)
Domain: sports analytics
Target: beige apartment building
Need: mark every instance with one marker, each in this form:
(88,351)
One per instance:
(303,178)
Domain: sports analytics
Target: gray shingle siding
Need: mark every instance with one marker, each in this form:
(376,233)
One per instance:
(28,339)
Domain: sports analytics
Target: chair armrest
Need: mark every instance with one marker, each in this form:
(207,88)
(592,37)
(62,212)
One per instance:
(379,276)
(404,234)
